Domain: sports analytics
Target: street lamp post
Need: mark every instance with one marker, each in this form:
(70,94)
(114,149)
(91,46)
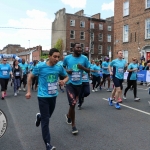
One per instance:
(29,45)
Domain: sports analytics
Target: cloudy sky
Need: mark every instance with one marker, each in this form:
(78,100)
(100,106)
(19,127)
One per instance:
(28,23)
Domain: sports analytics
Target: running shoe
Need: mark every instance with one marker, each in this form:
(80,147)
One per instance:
(124,97)
(68,120)
(19,89)
(24,89)
(96,89)
(117,106)
(136,99)
(108,90)
(74,130)
(110,101)
(3,98)
(49,147)
(119,100)
(15,94)
(38,119)
(93,90)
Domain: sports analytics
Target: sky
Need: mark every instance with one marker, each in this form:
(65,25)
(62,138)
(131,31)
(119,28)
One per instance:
(28,23)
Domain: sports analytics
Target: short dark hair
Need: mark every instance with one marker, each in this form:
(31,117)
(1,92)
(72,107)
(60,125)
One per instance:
(119,51)
(74,44)
(53,50)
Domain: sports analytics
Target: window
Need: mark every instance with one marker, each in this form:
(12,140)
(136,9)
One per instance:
(92,36)
(72,34)
(108,38)
(147,29)
(100,26)
(82,35)
(125,55)
(82,24)
(100,37)
(72,22)
(109,28)
(126,8)
(82,45)
(92,48)
(147,3)
(108,49)
(100,49)
(125,33)
(71,46)
(91,25)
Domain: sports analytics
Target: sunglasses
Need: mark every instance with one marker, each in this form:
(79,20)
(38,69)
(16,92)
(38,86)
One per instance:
(134,60)
(5,60)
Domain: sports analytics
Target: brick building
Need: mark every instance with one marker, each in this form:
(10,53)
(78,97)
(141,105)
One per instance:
(132,28)
(92,32)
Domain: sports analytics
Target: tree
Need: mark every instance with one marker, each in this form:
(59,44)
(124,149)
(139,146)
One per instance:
(59,45)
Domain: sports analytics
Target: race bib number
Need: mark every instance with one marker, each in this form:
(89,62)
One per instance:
(120,70)
(5,73)
(85,77)
(52,88)
(76,76)
(17,73)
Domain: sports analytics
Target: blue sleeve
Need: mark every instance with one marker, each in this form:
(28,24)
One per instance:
(65,62)
(129,67)
(63,71)
(86,63)
(112,63)
(35,71)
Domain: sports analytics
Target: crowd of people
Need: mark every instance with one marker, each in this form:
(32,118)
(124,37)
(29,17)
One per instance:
(75,73)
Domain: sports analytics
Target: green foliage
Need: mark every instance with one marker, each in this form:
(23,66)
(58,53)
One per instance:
(59,45)
(44,57)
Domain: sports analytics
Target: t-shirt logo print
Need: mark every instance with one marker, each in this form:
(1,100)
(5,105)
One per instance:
(51,78)
(75,67)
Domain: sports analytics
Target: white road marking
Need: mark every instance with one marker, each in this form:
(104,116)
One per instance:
(144,112)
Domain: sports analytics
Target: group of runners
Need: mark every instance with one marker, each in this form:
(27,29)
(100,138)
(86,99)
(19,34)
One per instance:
(75,72)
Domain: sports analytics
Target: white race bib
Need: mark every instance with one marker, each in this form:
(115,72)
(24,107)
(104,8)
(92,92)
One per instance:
(85,77)
(17,73)
(120,70)
(5,73)
(76,76)
(52,88)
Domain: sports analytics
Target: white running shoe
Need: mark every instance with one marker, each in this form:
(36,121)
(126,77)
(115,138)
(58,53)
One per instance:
(19,89)
(15,94)
(96,89)
(136,99)
(24,89)
(93,90)
(124,97)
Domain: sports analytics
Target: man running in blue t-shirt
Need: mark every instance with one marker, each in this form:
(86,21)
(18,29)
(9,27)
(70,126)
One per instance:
(118,66)
(48,73)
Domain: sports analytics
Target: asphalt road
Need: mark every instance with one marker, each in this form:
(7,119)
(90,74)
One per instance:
(101,127)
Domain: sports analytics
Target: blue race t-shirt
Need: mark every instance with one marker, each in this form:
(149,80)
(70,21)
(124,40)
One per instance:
(5,71)
(91,67)
(105,69)
(48,79)
(71,62)
(118,68)
(60,63)
(24,67)
(98,70)
(132,75)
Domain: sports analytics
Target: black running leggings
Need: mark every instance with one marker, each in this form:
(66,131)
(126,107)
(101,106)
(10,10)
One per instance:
(132,83)
(96,80)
